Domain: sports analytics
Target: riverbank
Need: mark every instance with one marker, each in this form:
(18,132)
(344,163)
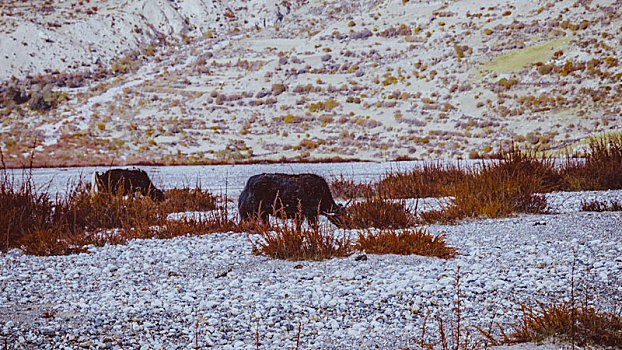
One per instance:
(211,289)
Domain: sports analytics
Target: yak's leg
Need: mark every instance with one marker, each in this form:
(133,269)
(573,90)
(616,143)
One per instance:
(262,213)
(313,218)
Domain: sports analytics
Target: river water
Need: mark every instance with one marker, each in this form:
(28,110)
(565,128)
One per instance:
(219,179)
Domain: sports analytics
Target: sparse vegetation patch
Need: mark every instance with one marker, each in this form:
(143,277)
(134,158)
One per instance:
(404,242)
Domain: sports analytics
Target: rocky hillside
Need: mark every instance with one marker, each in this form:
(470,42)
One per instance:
(197,81)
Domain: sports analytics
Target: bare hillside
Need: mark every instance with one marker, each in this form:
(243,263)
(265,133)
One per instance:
(197,81)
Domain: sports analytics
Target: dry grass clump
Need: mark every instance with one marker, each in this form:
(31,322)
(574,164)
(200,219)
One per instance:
(30,220)
(546,174)
(600,206)
(107,210)
(431,180)
(513,183)
(493,189)
(38,225)
(579,323)
(380,213)
(45,240)
(289,240)
(498,190)
(404,242)
(449,214)
(601,168)
(213,221)
(582,324)
(189,199)
(21,207)
(143,218)
(343,188)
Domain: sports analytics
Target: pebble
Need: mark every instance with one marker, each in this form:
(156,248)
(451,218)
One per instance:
(127,292)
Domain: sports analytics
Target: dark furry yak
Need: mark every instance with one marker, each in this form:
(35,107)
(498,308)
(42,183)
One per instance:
(307,194)
(128,181)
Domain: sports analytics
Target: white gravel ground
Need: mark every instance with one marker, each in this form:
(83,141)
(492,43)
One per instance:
(210,290)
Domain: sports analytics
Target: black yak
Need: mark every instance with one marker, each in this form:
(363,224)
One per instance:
(306,195)
(126,181)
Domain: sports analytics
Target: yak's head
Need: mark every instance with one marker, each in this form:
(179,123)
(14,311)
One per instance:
(338,215)
(156,194)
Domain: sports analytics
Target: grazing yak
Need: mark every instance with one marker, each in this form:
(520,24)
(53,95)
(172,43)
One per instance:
(126,181)
(305,194)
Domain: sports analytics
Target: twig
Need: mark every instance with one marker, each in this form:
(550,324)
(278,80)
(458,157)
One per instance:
(32,153)
(298,336)
(572,301)
(457,310)
(196,335)
(421,342)
(441,331)
(118,343)
(257,335)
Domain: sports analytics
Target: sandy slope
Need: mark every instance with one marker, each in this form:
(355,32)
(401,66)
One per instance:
(374,79)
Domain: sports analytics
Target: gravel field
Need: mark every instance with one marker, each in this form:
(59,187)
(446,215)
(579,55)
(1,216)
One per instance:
(210,290)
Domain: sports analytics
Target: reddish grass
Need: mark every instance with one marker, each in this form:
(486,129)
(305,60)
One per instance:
(449,214)
(578,323)
(600,206)
(215,222)
(21,208)
(513,183)
(189,199)
(31,221)
(498,190)
(583,323)
(432,180)
(290,240)
(600,168)
(54,240)
(379,213)
(404,242)
(82,209)
(343,188)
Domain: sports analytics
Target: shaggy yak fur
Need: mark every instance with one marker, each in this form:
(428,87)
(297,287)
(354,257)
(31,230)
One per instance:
(297,196)
(127,181)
